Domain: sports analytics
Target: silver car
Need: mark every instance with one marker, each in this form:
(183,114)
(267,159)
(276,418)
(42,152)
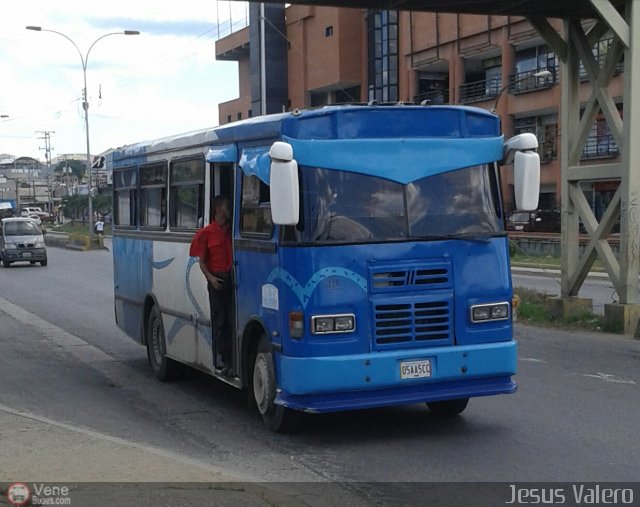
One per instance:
(22,240)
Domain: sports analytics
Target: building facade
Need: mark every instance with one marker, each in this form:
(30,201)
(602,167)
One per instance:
(337,55)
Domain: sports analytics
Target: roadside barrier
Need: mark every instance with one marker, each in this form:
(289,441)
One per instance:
(78,242)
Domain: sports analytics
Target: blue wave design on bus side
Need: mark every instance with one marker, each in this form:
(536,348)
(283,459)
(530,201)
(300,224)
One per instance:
(162,264)
(304,293)
(179,323)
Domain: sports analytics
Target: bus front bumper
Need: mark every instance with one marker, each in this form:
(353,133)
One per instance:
(328,384)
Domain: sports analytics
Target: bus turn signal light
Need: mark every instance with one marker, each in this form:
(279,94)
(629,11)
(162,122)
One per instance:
(296,324)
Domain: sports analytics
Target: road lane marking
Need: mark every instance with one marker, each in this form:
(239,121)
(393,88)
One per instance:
(607,377)
(531,360)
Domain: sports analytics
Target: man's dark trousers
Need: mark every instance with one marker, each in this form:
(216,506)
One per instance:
(220,306)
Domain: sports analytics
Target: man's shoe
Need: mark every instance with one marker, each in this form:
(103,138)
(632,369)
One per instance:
(223,371)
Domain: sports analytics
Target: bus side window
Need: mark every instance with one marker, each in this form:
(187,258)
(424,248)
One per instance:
(186,194)
(153,195)
(255,213)
(125,196)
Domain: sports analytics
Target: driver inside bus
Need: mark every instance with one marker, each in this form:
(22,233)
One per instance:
(212,246)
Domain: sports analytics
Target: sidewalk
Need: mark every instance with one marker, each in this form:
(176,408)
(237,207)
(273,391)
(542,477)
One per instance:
(113,471)
(51,451)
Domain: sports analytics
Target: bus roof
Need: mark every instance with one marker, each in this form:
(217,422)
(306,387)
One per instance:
(336,122)
(358,138)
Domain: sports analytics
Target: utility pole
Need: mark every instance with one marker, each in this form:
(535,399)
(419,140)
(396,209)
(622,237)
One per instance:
(17,195)
(46,135)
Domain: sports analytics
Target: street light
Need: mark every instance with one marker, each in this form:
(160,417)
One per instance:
(539,74)
(85,102)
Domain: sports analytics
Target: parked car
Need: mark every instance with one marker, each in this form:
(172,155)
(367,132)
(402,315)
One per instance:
(534,221)
(519,221)
(35,218)
(21,240)
(6,210)
(25,212)
(31,211)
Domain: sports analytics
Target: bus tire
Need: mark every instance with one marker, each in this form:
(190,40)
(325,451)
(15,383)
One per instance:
(6,263)
(448,408)
(163,368)
(277,418)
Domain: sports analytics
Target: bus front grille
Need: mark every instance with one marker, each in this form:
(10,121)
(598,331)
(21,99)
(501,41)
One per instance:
(413,323)
(403,277)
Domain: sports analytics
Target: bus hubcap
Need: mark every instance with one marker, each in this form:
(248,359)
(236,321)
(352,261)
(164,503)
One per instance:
(261,384)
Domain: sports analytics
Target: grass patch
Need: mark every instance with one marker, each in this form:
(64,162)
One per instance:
(533,310)
(542,260)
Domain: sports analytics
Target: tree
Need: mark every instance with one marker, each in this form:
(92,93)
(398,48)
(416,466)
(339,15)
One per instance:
(78,168)
(74,206)
(102,203)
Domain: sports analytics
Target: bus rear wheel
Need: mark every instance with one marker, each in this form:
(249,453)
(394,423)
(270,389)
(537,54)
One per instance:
(276,417)
(448,408)
(163,368)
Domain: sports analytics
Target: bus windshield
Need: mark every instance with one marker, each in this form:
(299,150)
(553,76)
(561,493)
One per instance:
(346,207)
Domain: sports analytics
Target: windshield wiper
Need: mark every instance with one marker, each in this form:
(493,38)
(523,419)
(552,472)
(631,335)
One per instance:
(479,237)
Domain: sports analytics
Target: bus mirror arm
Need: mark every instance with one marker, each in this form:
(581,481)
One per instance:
(521,142)
(284,185)
(519,150)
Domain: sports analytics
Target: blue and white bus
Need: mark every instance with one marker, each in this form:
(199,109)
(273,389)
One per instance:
(371,263)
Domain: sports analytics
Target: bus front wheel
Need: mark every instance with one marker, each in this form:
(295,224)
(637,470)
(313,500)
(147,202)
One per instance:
(276,417)
(447,408)
(163,367)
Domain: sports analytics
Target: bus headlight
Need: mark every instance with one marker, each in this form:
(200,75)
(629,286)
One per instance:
(494,311)
(326,324)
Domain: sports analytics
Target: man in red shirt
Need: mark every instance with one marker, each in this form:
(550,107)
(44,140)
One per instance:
(212,244)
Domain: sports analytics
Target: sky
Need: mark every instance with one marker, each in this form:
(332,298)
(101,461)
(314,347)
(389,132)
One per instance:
(162,82)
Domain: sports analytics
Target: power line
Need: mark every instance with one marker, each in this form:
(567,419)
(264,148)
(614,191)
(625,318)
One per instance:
(214,33)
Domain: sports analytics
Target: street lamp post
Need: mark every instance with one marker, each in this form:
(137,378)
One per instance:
(85,101)
(539,74)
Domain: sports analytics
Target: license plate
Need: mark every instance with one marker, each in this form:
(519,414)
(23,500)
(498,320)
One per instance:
(519,227)
(415,369)
(26,254)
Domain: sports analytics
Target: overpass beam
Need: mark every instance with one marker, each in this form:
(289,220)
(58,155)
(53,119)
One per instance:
(630,151)
(576,122)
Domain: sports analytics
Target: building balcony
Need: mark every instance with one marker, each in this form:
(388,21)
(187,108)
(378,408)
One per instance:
(523,82)
(233,47)
(602,146)
(479,90)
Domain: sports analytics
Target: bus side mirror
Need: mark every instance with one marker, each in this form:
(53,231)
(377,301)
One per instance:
(284,185)
(526,180)
(526,169)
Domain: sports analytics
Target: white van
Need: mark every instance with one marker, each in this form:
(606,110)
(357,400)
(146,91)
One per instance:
(21,240)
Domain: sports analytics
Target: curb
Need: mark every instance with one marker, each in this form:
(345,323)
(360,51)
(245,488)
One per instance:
(552,271)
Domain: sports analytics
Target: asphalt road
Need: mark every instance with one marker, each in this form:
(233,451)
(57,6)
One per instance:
(574,417)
